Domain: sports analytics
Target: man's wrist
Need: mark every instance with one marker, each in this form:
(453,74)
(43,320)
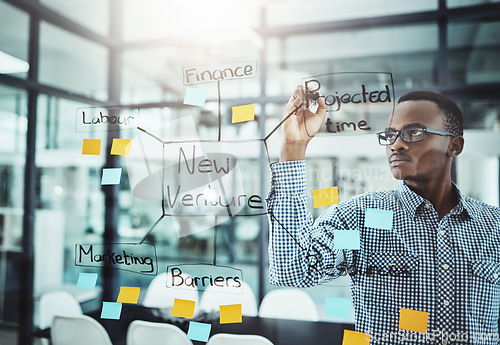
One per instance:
(292,152)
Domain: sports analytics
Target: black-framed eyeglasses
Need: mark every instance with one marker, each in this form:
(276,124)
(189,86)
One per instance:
(409,135)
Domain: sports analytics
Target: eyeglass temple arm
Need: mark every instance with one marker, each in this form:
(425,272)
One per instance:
(438,131)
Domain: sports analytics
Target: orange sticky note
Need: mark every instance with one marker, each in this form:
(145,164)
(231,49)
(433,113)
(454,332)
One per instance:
(91,147)
(230,313)
(243,113)
(183,308)
(326,196)
(413,320)
(121,146)
(128,294)
(355,338)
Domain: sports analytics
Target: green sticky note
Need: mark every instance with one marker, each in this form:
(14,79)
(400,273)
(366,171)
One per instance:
(111,310)
(346,239)
(111,176)
(199,331)
(338,307)
(86,281)
(378,219)
(195,96)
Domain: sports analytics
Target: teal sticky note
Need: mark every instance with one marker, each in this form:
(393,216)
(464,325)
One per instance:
(111,310)
(111,176)
(346,239)
(86,281)
(195,96)
(199,331)
(338,307)
(378,219)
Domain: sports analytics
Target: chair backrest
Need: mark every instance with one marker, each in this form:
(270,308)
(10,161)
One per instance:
(294,304)
(56,303)
(160,296)
(155,333)
(211,300)
(240,339)
(78,330)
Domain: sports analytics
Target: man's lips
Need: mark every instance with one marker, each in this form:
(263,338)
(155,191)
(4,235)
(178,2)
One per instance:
(399,158)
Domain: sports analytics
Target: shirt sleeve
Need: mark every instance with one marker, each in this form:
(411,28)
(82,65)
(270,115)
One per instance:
(301,253)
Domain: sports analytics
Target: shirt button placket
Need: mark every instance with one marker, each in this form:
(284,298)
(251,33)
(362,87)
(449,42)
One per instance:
(445,313)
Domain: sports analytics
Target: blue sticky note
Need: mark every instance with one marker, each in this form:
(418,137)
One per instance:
(378,219)
(86,281)
(199,331)
(111,310)
(111,176)
(195,96)
(338,307)
(346,239)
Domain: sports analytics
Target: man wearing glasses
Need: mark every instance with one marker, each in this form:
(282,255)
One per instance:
(440,256)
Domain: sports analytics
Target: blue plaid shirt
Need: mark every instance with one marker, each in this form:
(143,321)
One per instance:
(448,267)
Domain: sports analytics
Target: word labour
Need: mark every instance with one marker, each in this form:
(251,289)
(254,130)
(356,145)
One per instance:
(105,119)
(139,258)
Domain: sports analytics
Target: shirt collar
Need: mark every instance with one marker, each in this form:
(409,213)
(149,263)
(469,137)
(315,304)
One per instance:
(412,202)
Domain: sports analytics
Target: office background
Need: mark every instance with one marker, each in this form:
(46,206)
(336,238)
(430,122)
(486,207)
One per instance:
(111,52)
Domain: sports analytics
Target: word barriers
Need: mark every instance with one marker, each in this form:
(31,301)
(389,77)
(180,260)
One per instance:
(221,278)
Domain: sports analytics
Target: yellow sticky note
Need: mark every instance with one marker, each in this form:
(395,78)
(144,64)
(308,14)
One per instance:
(121,146)
(230,313)
(243,113)
(413,320)
(183,308)
(128,294)
(355,338)
(91,147)
(326,196)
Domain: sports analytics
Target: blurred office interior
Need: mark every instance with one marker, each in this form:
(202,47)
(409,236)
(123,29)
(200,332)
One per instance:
(60,55)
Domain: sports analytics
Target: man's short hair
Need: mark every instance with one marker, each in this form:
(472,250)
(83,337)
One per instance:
(453,118)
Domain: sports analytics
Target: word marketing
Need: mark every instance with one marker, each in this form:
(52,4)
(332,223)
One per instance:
(93,255)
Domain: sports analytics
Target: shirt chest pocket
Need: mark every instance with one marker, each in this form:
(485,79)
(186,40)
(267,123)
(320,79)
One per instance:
(391,280)
(484,292)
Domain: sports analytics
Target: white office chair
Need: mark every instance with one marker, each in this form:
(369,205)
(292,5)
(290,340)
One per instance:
(155,333)
(293,304)
(78,330)
(160,296)
(56,303)
(211,300)
(240,339)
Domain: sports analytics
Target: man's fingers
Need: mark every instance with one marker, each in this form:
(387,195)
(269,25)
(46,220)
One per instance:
(296,93)
(322,107)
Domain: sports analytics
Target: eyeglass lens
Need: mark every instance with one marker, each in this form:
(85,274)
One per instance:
(409,135)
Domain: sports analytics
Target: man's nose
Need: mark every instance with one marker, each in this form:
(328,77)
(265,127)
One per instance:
(399,145)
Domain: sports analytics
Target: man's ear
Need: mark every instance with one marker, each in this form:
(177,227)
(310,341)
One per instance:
(456,146)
